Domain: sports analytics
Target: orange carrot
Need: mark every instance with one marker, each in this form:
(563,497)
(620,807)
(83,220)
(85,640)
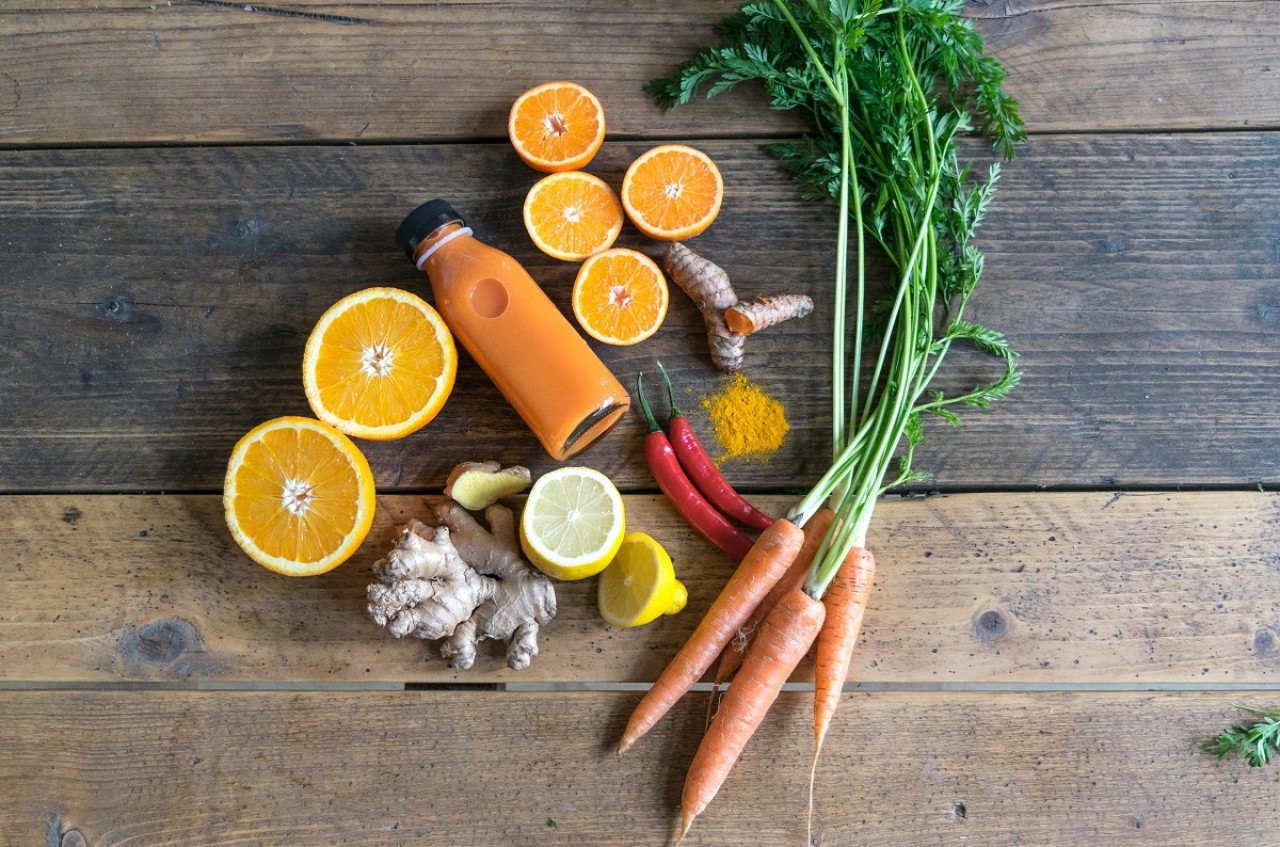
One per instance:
(846,602)
(784,639)
(763,566)
(814,531)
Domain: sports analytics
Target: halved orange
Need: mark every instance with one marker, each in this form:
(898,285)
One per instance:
(299,496)
(672,192)
(379,364)
(556,126)
(572,215)
(620,296)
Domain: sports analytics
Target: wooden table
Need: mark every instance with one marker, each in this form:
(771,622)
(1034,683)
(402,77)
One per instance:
(186,185)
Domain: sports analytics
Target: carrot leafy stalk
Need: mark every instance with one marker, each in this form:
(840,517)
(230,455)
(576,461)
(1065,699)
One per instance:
(1258,742)
(889,87)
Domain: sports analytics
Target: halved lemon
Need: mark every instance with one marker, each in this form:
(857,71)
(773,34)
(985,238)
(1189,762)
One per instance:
(379,364)
(298,496)
(573,523)
(640,584)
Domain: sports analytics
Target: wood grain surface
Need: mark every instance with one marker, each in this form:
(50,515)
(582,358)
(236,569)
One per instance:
(1029,589)
(445,768)
(158,302)
(186,185)
(209,71)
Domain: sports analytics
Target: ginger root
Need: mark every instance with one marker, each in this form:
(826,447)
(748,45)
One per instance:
(478,485)
(728,320)
(462,583)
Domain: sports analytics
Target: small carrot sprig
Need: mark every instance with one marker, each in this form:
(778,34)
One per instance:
(702,471)
(682,494)
(1257,743)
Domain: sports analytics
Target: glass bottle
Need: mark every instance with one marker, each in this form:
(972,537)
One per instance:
(537,359)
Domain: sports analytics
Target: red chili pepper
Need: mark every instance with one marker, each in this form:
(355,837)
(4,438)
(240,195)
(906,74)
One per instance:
(704,473)
(671,478)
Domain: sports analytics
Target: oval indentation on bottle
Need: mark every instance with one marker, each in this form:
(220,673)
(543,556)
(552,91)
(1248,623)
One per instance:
(489,298)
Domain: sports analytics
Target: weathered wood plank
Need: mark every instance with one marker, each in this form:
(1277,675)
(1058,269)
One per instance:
(439,768)
(157,303)
(216,72)
(1046,588)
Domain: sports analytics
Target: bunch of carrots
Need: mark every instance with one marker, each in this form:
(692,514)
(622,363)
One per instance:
(889,87)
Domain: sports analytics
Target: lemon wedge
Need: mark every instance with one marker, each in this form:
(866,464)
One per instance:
(573,523)
(640,584)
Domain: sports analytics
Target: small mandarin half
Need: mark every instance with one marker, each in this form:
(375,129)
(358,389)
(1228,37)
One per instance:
(572,215)
(620,296)
(672,192)
(556,126)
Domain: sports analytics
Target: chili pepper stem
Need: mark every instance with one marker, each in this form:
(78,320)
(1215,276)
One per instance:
(671,393)
(644,404)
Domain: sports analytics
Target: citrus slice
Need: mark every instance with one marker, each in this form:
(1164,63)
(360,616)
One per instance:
(299,496)
(379,364)
(573,523)
(640,584)
(620,296)
(672,192)
(572,215)
(556,126)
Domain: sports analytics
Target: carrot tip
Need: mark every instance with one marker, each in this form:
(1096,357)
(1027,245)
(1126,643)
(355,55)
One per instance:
(685,825)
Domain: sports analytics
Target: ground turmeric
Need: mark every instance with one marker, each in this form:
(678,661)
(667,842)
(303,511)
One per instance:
(748,422)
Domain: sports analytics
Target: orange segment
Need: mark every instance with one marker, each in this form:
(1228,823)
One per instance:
(620,296)
(299,496)
(672,192)
(572,215)
(379,364)
(557,126)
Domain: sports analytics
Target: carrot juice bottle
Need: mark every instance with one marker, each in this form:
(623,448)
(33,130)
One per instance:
(539,362)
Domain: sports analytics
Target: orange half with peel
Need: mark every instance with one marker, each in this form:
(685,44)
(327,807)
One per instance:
(672,192)
(299,496)
(556,126)
(379,364)
(572,215)
(620,296)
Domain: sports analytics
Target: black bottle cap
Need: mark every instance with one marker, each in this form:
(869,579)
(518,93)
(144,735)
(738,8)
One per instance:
(423,221)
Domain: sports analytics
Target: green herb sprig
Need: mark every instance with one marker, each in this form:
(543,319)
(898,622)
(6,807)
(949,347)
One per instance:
(1258,742)
(887,88)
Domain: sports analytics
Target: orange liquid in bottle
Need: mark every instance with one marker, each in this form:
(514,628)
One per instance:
(540,363)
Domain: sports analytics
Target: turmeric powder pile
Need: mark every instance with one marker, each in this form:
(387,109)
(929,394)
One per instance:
(749,424)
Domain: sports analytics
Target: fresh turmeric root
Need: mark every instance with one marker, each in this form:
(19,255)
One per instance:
(708,286)
(728,320)
(746,317)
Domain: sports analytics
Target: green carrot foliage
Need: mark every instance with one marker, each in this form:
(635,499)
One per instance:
(887,89)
